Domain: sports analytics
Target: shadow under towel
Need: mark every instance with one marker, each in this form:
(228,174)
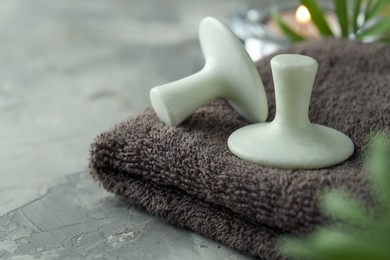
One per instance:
(187,176)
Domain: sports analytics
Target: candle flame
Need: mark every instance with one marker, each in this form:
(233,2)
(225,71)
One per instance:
(302,15)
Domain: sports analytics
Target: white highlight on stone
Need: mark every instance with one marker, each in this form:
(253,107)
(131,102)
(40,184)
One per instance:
(229,72)
(291,140)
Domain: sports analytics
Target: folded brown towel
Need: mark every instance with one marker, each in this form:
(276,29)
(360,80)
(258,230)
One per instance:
(187,176)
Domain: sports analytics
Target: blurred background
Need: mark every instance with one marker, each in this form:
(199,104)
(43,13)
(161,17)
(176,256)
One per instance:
(70,69)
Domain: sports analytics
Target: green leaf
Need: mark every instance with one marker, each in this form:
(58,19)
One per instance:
(330,244)
(355,15)
(367,10)
(379,165)
(376,8)
(342,15)
(288,31)
(377,29)
(335,244)
(344,207)
(318,17)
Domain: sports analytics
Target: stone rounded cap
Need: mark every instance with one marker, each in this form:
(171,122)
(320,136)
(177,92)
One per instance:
(226,55)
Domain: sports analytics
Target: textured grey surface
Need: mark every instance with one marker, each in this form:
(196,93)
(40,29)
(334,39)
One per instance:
(75,220)
(69,70)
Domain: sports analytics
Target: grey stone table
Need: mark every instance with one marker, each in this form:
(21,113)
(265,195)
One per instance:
(70,69)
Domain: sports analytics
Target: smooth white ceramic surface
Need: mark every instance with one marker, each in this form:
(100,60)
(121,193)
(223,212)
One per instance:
(291,140)
(229,72)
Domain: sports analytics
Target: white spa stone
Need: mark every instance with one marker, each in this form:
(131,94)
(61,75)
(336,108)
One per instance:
(291,140)
(229,72)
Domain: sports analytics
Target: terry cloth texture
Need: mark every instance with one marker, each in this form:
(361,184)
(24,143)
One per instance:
(187,176)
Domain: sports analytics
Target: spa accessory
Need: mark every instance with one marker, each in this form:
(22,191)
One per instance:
(187,176)
(290,140)
(229,72)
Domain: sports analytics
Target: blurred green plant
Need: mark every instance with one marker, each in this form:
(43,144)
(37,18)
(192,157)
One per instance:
(358,19)
(361,233)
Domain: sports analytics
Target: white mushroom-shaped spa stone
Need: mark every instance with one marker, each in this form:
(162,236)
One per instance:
(228,73)
(291,140)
